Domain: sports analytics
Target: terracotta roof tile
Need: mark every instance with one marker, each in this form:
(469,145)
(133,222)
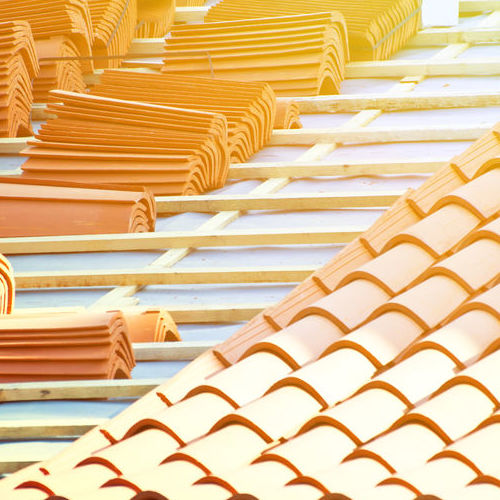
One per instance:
(249,108)
(316,377)
(479,450)
(182,420)
(262,367)
(330,446)
(154,479)
(71,482)
(440,412)
(348,259)
(397,218)
(394,269)
(225,449)
(473,267)
(391,449)
(431,191)
(82,208)
(295,344)
(295,405)
(348,306)
(382,339)
(257,479)
(297,55)
(464,338)
(194,159)
(18,67)
(439,476)
(349,416)
(439,232)
(417,376)
(285,312)
(136,453)
(376,29)
(344,478)
(479,196)
(429,303)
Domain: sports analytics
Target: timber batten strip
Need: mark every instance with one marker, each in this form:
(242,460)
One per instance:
(307,137)
(160,276)
(81,389)
(174,239)
(402,102)
(295,202)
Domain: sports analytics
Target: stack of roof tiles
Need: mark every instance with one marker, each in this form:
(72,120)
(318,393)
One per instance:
(7,286)
(114,23)
(297,55)
(60,67)
(248,107)
(155,17)
(69,18)
(151,325)
(98,140)
(71,347)
(287,115)
(378,378)
(18,67)
(376,29)
(32,207)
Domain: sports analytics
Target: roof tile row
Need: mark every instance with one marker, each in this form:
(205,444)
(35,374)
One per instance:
(184,153)
(18,67)
(249,108)
(297,55)
(376,29)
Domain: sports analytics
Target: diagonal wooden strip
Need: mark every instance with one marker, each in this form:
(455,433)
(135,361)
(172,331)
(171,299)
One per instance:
(47,428)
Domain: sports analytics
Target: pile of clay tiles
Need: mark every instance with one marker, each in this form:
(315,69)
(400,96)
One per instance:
(34,207)
(7,286)
(376,29)
(248,107)
(378,378)
(18,67)
(297,55)
(114,23)
(104,141)
(82,346)
(60,67)
(62,30)
(154,17)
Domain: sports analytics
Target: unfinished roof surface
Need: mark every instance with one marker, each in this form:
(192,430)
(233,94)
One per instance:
(349,385)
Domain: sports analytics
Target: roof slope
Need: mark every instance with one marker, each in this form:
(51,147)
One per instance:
(351,385)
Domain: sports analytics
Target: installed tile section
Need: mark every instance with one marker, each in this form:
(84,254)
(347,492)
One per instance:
(326,392)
